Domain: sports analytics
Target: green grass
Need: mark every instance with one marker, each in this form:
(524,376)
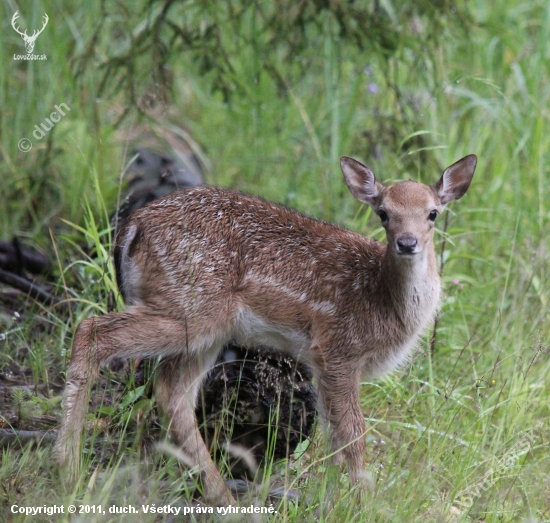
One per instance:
(438,427)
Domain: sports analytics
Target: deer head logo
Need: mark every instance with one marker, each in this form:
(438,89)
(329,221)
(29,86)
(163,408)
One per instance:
(29,40)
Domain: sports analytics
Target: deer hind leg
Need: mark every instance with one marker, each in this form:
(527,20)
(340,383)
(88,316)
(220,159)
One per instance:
(133,333)
(176,389)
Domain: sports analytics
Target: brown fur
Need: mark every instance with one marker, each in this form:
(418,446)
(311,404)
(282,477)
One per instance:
(206,265)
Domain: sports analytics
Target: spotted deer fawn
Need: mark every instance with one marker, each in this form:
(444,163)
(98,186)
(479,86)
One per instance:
(206,265)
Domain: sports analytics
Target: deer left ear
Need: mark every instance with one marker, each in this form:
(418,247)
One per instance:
(456,179)
(360,180)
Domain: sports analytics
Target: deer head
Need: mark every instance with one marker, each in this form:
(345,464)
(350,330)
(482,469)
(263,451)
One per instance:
(29,40)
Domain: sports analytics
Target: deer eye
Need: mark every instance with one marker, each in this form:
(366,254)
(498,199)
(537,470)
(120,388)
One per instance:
(383,216)
(432,216)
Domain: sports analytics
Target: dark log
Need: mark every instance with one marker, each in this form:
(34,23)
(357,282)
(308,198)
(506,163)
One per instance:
(21,438)
(252,395)
(16,258)
(152,175)
(29,287)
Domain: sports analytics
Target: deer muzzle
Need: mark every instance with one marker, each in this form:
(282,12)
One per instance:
(407,244)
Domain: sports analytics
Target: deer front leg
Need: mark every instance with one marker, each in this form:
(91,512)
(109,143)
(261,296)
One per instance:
(339,396)
(176,389)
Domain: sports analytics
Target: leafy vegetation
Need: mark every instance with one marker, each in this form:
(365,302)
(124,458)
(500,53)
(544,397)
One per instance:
(274,96)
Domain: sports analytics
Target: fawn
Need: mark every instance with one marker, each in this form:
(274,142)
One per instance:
(206,265)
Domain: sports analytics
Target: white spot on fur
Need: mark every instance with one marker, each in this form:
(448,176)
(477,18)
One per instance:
(131,275)
(270,281)
(326,307)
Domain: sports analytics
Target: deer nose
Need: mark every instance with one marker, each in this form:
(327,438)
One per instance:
(406,243)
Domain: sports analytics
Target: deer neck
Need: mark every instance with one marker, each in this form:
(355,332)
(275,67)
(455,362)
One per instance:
(411,285)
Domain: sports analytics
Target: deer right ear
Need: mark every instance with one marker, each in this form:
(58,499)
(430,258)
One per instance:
(456,179)
(360,180)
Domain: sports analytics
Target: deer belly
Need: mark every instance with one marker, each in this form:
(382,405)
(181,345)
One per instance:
(251,329)
(386,360)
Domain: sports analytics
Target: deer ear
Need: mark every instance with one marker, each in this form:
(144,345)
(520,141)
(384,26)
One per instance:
(360,180)
(456,179)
